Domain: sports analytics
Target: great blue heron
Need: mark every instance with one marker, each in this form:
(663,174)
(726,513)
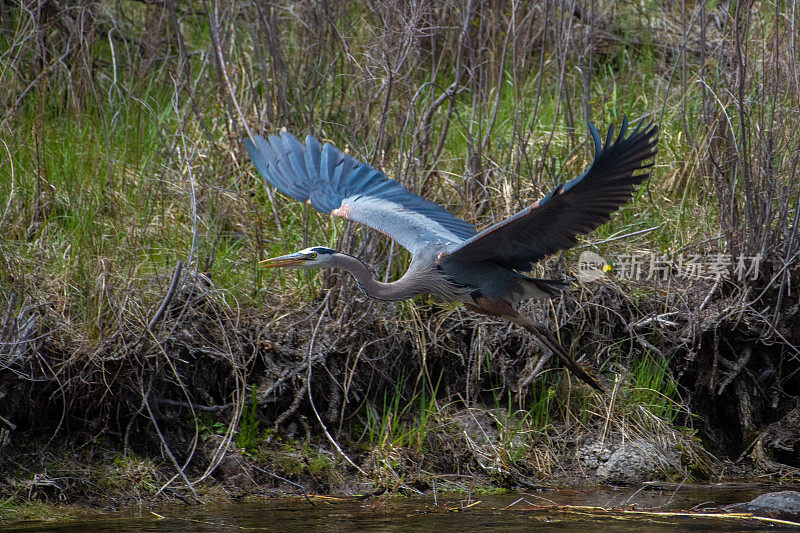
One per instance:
(452,260)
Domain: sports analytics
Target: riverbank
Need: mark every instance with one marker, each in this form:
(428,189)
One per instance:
(554,432)
(130,422)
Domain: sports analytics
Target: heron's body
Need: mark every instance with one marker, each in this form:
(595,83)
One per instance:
(451,260)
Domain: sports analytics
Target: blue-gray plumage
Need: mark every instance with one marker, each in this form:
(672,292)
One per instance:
(450,258)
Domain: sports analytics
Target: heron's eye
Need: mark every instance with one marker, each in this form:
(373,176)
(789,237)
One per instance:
(313,255)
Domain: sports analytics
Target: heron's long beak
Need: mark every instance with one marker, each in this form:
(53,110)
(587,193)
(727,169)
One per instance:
(290,260)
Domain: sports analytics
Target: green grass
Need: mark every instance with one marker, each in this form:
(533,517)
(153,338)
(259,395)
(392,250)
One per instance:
(248,435)
(653,387)
(115,202)
(402,424)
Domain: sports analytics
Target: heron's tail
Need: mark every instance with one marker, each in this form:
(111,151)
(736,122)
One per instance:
(543,288)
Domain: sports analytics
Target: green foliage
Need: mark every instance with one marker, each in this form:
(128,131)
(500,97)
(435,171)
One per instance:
(399,424)
(293,459)
(653,387)
(206,425)
(289,459)
(321,464)
(247,437)
(399,432)
(543,399)
(132,471)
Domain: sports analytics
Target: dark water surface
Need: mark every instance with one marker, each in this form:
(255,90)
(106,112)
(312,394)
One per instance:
(509,512)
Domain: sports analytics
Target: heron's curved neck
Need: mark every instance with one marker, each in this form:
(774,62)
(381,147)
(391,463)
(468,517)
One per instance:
(392,291)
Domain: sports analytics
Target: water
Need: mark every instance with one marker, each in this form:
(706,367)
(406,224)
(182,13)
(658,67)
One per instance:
(510,512)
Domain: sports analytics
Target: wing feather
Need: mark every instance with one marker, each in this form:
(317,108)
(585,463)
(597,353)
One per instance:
(337,184)
(571,209)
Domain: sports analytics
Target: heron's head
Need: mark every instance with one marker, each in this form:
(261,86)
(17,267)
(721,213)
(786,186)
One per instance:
(314,257)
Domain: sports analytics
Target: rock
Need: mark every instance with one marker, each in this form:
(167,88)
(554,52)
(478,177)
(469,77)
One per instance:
(592,455)
(478,424)
(779,443)
(784,505)
(478,433)
(634,462)
(233,468)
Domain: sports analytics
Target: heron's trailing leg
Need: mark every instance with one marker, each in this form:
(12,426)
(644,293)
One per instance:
(554,346)
(503,310)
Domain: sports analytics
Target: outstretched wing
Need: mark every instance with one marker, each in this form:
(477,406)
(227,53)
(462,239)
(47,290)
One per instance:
(337,184)
(578,207)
